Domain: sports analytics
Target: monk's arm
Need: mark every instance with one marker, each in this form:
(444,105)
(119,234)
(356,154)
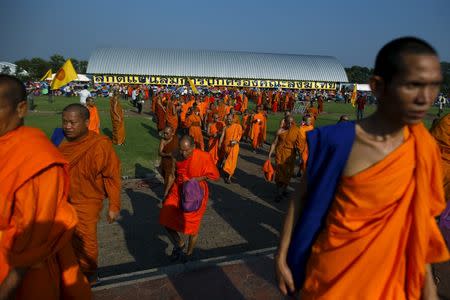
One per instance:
(161,148)
(109,165)
(222,137)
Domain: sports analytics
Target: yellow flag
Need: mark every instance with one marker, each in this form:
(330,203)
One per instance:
(194,89)
(354,95)
(47,75)
(65,75)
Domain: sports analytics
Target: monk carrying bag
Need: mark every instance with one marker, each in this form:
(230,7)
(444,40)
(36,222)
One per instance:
(191,196)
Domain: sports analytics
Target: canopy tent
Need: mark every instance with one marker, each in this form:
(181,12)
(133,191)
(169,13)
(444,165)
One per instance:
(81,78)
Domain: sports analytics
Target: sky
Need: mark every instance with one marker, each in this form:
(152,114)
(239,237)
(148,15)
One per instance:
(352,31)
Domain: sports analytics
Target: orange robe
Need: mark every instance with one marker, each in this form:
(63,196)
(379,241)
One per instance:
(285,153)
(172,116)
(259,102)
(193,122)
(167,165)
(246,126)
(171,215)
(231,152)
(244,104)
(36,221)
(441,132)
(215,131)
(314,112)
(160,115)
(94,119)
(94,175)
(222,111)
(118,124)
(203,106)
(304,153)
(380,229)
(258,133)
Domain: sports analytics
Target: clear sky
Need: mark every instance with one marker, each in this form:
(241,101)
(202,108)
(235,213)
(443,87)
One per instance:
(353,31)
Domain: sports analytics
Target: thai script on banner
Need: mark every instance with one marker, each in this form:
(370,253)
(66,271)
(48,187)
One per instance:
(250,83)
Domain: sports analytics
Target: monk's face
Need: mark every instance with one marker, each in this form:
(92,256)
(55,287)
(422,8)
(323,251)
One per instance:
(11,116)
(167,133)
(186,149)
(74,126)
(411,92)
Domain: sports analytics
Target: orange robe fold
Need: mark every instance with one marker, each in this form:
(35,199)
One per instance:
(94,175)
(258,131)
(118,124)
(36,221)
(303,145)
(441,132)
(167,165)
(193,122)
(381,230)
(215,131)
(285,152)
(94,119)
(268,170)
(172,116)
(231,152)
(171,215)
(160,115)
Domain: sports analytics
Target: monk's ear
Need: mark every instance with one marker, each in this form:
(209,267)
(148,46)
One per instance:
(22,109)
(377,85)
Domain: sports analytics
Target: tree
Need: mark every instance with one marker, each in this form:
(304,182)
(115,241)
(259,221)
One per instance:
(38,68)
(357,74)
(82,66)
(56,62)
(445,88)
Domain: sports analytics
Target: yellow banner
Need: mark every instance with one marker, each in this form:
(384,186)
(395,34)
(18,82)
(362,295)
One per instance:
(250,83)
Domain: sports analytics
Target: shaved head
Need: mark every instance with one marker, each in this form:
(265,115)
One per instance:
(13,90)
(289,119)
(78,108)
(186,146)
(188,141)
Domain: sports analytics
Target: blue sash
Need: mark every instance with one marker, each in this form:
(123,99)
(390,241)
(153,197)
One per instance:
(329,148)
(57,136)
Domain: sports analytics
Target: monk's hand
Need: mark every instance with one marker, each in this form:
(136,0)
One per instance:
(429,291)
(284,276)
(200,178)
(112,216)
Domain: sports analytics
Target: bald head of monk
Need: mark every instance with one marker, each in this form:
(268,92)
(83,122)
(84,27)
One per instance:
(168,133)
(307,119)
(75,122)
(186,146)
(13,104)
(288,121)
(406,81)
(229,119)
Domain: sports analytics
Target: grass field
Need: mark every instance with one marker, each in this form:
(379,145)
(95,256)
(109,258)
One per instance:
(140,152)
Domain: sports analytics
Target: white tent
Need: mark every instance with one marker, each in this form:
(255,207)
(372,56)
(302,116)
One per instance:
(363,87)
(81,78)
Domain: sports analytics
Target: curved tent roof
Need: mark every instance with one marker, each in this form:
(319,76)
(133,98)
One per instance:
(215,64)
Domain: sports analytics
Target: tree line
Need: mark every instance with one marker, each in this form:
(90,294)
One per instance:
(359,74)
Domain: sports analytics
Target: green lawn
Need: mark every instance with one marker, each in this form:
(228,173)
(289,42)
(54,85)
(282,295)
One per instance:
(140,152)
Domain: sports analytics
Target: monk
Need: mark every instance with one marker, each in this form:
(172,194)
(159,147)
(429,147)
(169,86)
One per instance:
(258,131)
(94,170)
(191,164)
(160,113)
(37,260)
(229,146)
(222,110)
(118,124)
(94,118)
(368,231)
(320,105)
(246,125)
(244,106)
(172,115)
(285,146)
(194,123)
(209,116)
(214,133)
(167,146)
(306,126)
(314,113)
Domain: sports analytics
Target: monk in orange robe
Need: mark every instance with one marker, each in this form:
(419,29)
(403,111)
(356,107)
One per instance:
(94,170)
(258,131)
(118,124)
(246,126)
(229,146)
(441,132)
(172,115)
(184,109)
(244,106)
(314,113)
(285,146)
(214,132)
(319,105)
(194,123)
(222,110)
(259,102)
(167,146)
(37,260)
(160,113)
(377,234)
(191,164)
(94,118)
(306,126)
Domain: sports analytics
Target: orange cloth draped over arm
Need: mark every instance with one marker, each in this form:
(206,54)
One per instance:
(36,221)
(193,122)
(94,119)
(441,132)
(231,152)
(171,215)
(376,241)
(94,175)
(117,119)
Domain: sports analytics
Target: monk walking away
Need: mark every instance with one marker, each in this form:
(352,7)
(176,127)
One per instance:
(167,146)
(362,223)
(286,145)
(229,145)
(193,169)
(37,260)
(118,123)
(94,170)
